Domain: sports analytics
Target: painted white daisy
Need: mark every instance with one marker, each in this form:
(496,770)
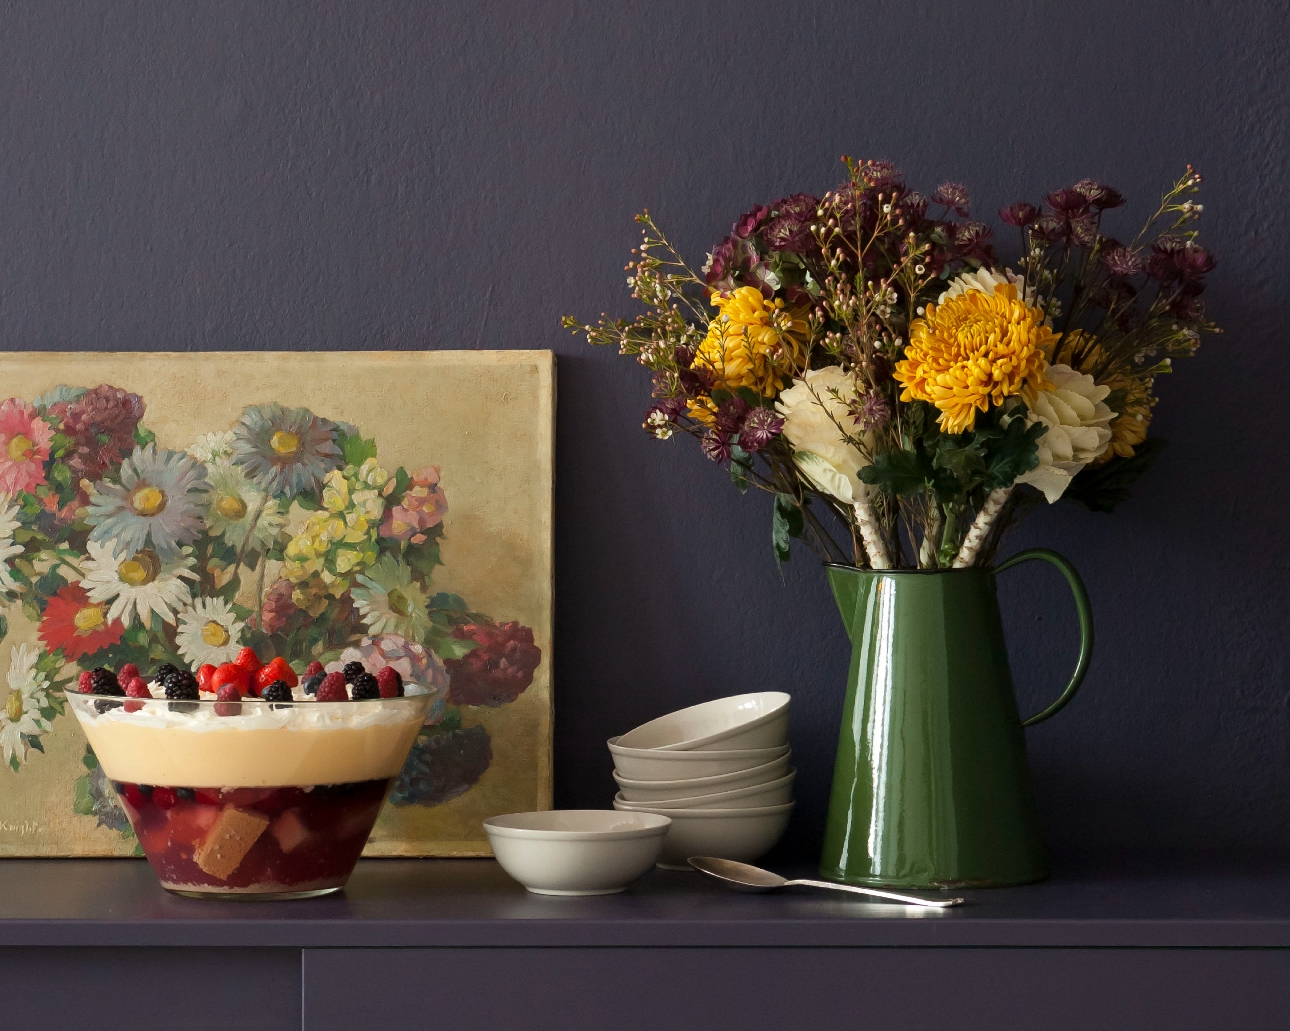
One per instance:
(212,447)
(209,631)
(390,601)
(21,713)
(238,509)
(140,584)
(8,546)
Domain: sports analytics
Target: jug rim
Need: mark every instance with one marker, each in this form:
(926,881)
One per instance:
(905,572)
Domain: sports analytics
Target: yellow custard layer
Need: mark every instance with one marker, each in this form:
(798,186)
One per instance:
(299,749)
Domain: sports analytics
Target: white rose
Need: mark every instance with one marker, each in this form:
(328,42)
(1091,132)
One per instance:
(1077,431)
(985,280)
(816,420)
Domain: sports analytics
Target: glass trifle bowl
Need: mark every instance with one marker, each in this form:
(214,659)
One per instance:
(252,798)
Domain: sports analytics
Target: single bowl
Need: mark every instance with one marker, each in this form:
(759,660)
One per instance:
(661,790)
(252,799)
(744,835)
(656,764)
(775,792)
(741,721)
(576,851)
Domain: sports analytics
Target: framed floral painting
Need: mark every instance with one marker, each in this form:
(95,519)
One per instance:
(393,508)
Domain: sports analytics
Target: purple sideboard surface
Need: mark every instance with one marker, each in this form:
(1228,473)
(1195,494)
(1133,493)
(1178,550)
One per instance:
(1116,943)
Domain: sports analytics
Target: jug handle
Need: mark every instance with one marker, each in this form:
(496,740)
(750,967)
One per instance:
(1085,625)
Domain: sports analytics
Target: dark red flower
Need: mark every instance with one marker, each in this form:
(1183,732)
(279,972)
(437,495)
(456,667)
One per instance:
(973,241)
(790,226)
(716,445)
(730,415)
(953,196)
(759,429)
(101,422)
(1020,214)
(1122,262)
(750,222)
(1099,195)
(1176,259)
(498,670)
(722,258)
(276,608)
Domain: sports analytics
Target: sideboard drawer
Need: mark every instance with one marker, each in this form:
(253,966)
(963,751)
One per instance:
(738,989)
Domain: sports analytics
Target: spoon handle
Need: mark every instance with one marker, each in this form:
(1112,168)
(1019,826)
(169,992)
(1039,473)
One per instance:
(909,900)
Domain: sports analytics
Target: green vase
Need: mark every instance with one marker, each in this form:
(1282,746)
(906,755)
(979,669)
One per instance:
(931,787)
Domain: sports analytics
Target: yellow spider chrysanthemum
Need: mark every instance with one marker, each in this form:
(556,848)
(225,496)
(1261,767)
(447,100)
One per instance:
(751,342)
(974,349)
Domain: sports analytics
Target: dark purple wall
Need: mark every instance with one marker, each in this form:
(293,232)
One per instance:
(223,175)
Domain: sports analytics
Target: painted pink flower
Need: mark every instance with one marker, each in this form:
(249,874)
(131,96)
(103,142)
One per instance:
(24,447)
(422,508)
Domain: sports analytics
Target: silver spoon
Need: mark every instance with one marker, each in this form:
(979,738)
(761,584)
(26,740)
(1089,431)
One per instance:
(743,877)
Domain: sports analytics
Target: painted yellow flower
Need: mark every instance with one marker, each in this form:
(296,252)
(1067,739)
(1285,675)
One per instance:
(751,342)
(971,351)
(340,538)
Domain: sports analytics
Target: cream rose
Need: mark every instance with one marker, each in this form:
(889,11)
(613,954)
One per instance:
(985,280)
(816,422)
(1076,417)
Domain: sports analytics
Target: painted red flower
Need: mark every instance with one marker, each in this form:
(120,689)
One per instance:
(77,625)
(24,447)
(498,670)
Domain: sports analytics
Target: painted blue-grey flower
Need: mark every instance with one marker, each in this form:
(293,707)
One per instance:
(158,504)
(285,451)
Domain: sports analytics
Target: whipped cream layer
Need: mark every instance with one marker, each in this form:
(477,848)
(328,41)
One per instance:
(304,744)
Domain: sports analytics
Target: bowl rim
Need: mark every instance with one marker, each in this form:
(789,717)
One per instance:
(743,792)
(633,782)
(651,828)
(688,744)
(718,814)
(697,753)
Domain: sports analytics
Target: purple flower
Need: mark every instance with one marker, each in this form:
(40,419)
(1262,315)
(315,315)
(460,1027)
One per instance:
(1072,217)
(722,258)
(1175,259)
(972,239)
(730,415)
(871,410)
(1020,214)
(1122,262)
(790,227)
(750,222)
(759,429)
(1099,195)
(953,196)
(716,445)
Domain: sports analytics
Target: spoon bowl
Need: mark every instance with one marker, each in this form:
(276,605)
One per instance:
(744,877)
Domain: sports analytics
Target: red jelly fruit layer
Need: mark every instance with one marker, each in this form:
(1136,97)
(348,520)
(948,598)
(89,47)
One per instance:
(253,839)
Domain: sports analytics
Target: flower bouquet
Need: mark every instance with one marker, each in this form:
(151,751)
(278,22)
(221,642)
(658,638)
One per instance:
(283,533)
(866,358)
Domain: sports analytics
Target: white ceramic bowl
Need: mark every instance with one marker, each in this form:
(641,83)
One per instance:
(661,790)
(576,851)
(741,721)
(775,792)
(744,835)
(656,764)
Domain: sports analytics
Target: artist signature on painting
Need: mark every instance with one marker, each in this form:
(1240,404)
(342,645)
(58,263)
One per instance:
(20,828)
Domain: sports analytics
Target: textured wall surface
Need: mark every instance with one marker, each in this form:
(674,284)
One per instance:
(224,175)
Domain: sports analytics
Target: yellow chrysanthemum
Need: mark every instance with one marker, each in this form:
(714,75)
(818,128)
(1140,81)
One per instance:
(974,349)
(751,342)
(1129,427)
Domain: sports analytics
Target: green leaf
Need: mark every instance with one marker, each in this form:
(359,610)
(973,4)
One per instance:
(961,458)
(423,557)
(899,472)
(448,647)
(34,742)
(748,396)
(61,474)
(4,627)
(82,801)
(143,436)
(1101,489)
(401,480)
(358,449)
(1016,452)
(740,462)
(450,602)
(786,523)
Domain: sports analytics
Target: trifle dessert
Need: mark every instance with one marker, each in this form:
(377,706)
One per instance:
(246,779)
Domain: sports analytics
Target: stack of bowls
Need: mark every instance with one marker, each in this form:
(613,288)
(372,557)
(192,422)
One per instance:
(718,769)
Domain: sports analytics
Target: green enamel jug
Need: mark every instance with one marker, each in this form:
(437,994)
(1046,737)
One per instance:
(931,787)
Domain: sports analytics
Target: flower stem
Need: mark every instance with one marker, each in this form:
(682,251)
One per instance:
(871,534)
(980,528)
